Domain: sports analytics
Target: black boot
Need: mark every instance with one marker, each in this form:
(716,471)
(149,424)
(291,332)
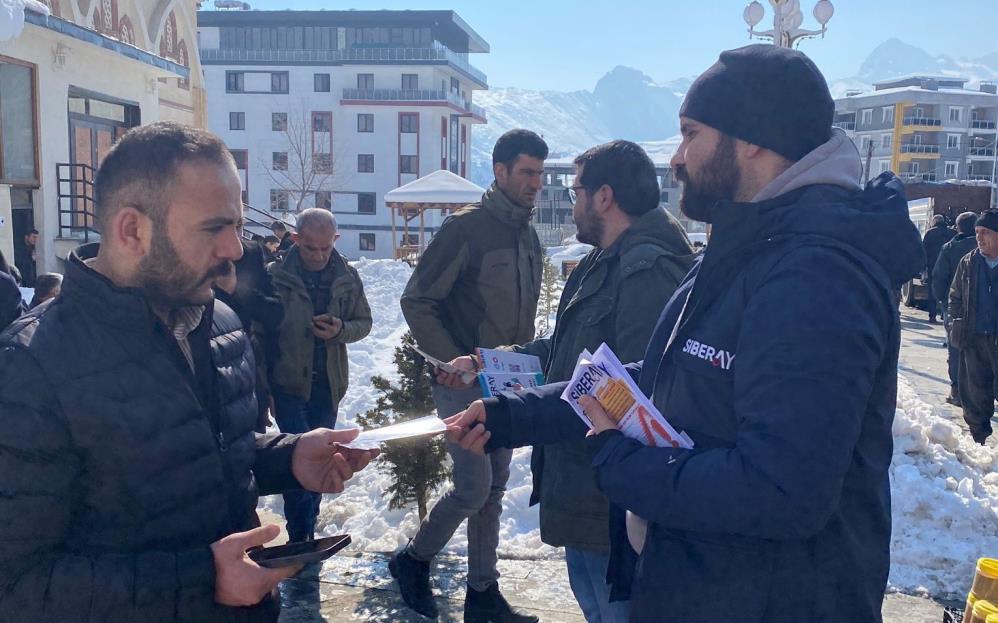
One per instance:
(414,583)
(489,606)
(954,397)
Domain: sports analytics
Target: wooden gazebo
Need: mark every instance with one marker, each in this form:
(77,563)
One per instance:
(440,190)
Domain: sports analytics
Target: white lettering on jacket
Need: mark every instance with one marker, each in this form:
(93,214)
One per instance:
(719,358)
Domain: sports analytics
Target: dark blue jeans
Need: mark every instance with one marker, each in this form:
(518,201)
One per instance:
(294,415)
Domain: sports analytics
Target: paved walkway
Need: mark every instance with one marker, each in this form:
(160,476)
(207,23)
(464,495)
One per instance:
(359,587)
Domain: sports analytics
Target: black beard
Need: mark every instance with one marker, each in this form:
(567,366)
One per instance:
(718,181)
(165,279)
(590,231)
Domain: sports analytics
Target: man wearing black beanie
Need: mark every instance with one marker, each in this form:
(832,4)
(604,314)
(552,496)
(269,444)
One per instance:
(777,355)
(973,311)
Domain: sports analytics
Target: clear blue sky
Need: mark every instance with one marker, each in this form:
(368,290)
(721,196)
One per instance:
(561,45)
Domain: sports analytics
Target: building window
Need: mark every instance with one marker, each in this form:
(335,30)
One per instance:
(955,113)
(280,161)
(234,82)
(324,199)
(365,82)
(365,203)
(18,143)
(237,121)
(321,83)
(365,122)
(408,164)
(410,82)
(279,82)
(865,144)
(885,166)
(951,170)
(952,141)
(279,121)
(365,163)
(322,122)
(867,116)
(322,163)
(367,242)
(886,141)
(887,114)
(408,122)
(278,200)
(241,157)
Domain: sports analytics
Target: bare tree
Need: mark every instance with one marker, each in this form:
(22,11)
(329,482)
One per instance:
(308,165)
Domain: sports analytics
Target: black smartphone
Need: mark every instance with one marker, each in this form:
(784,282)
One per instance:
(299,553)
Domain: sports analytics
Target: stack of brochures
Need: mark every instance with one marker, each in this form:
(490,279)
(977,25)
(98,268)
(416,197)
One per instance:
(602,376)
(503,371)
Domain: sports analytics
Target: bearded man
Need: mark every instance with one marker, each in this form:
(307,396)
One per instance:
(777,355)
(129,465)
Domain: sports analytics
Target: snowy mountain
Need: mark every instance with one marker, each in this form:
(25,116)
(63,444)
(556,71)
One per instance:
(625,103)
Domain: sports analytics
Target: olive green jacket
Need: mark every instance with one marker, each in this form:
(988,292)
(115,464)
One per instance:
(478,281)
(615,296)
(292,371)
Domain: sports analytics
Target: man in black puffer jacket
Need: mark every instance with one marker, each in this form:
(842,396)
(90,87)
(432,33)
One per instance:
(129,468)
(942,277)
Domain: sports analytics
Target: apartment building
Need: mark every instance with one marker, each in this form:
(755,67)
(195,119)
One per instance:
(333,109)
(71,83)
(924,128)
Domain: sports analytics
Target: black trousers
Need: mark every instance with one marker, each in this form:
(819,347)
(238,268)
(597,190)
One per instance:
(979,383)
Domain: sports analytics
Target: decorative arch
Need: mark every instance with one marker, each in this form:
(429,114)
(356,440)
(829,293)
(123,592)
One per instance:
(54,7)
(168,43)
(106,17)
(183,59)
(126,32)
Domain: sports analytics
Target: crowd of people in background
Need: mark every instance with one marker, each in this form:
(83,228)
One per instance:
(139,393)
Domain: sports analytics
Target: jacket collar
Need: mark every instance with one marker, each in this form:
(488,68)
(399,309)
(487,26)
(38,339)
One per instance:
(503,208)
(122,306)
(291,267)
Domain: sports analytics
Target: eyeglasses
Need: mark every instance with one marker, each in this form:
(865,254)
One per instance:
(572,195)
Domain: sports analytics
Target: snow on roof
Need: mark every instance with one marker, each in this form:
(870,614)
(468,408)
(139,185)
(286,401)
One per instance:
(437,187)
(12,16)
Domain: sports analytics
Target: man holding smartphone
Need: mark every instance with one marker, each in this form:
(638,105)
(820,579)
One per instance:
(324,310)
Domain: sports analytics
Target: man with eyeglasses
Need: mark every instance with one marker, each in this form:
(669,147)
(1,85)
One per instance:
(477,284)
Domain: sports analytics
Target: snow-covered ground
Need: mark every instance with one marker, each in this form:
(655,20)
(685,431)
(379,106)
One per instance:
(945,488)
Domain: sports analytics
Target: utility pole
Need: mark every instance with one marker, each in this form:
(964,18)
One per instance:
(869,157)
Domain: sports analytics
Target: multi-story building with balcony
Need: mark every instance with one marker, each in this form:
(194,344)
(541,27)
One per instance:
(333,109)
(924,128)
(71,83)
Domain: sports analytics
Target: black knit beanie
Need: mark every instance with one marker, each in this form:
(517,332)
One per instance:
(766,95)
(989,219)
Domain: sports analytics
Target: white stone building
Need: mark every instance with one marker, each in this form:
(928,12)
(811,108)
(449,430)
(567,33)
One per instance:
(70,84)
(336,108)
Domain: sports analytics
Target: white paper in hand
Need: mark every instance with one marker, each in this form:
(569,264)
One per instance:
(420,427)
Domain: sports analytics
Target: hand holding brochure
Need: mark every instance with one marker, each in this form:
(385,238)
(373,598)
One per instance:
(372,439)
(602,376)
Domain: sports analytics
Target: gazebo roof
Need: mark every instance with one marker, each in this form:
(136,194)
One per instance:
(440,188)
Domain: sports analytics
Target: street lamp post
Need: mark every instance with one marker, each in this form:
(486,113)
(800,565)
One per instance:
(787,20)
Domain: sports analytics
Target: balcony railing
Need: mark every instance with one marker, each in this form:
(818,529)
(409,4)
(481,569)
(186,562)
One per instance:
(412,95)
(982,151)
(436,52)
(922,121)
(845,125)
(978,124)
(919,149)
(908,176)
(979,177)
(76,201)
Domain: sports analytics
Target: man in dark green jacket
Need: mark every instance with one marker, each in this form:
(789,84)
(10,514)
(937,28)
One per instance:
(615,295)
(324,310)
(477,284)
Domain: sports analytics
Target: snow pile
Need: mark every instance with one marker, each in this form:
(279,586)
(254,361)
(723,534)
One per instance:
(945,501)
(362,509)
